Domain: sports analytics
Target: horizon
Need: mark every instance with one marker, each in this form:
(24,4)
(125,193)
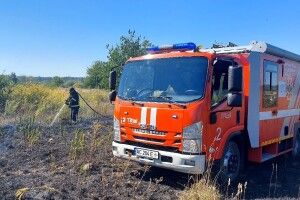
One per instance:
(54,38)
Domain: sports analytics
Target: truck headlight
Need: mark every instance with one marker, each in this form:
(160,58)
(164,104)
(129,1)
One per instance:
(117,132)
(192,138)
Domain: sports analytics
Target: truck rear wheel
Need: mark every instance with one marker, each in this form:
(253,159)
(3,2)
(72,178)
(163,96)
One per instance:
(231,163)
(296,148)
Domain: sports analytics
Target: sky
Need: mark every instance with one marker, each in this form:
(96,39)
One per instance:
(64,37)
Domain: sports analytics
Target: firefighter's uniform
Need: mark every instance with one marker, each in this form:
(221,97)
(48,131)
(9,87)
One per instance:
(73,103)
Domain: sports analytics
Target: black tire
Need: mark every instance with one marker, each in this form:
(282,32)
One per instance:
(231,164)
(296,146)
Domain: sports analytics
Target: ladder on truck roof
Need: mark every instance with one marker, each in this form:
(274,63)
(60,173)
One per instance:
(255,46)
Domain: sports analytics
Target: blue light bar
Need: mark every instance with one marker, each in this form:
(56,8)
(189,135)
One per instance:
(175,47)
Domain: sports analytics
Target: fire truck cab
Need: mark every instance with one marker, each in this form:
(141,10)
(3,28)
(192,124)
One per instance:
(180,107)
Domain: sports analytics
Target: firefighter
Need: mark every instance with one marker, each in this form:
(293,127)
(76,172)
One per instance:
(73,103)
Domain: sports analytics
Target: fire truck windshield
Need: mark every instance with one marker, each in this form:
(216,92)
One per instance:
(164,80)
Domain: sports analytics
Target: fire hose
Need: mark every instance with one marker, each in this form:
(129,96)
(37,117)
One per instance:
(88,104)
(56,116)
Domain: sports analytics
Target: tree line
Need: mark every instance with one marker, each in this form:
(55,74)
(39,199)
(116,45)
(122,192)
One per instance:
(131,45)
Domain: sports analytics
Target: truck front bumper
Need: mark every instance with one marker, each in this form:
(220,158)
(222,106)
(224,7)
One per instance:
(193,164)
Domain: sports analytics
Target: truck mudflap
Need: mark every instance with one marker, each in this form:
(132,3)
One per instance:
(192,164)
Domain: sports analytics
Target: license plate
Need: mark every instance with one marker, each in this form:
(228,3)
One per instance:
(145,153)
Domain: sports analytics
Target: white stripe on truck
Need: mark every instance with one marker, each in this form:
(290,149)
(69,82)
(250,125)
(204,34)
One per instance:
(144,115)
(153,118)
(280,114)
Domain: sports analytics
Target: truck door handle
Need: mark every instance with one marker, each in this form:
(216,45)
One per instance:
(238,117)
(274,112)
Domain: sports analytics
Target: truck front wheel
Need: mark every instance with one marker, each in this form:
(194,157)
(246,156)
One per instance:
(231,163)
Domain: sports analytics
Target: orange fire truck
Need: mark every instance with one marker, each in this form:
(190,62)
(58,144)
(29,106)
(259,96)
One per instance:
(180,106)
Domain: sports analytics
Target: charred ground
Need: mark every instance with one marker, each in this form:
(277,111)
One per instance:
(75,162)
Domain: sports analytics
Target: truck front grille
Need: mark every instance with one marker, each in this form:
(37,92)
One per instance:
(145,139)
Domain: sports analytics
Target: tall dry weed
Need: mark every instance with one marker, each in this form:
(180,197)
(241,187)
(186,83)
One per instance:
(30,131)
(44,102)
(78,145)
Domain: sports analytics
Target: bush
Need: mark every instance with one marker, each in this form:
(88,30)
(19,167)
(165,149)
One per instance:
(57,81)
(5,84)
(130,45)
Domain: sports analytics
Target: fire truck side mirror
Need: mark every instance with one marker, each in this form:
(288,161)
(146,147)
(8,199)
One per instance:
(234,99)
(112,80)
(235,77)
(112,96)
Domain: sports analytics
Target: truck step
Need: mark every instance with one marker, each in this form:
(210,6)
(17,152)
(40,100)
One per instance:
(267,156)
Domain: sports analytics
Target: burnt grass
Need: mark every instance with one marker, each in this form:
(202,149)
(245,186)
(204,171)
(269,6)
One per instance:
(51,168)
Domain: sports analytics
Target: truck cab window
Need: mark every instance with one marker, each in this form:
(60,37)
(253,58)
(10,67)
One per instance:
(270,85)
(220,82)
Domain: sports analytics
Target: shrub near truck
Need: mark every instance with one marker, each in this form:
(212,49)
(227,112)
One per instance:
(179,107)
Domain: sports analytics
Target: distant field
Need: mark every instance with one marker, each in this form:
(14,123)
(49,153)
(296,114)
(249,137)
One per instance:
(43,102)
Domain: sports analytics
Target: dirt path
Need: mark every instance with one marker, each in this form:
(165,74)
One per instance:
(48,169)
